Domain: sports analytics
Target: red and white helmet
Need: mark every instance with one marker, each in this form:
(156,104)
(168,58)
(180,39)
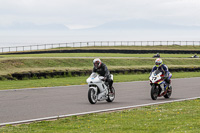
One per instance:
(97,63)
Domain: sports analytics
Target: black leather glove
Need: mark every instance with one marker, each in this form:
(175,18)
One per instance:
(104,79)
(166,76)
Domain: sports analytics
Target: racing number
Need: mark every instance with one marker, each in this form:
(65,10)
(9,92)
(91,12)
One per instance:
(154,78)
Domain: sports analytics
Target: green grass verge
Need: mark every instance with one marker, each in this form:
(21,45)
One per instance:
(179,117)
(97,55)
(35,64)
(18,84)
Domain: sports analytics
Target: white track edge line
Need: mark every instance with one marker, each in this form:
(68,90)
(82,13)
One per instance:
(91,112)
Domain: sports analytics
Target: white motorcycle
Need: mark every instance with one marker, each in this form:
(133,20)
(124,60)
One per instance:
(98,90)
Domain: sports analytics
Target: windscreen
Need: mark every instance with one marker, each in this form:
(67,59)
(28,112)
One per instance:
(156,72)
(93,75)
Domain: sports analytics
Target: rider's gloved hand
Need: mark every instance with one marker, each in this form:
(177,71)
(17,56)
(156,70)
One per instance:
(104,79)
(166,76)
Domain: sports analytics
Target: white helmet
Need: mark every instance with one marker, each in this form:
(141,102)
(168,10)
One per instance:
(97,63)
(158,62)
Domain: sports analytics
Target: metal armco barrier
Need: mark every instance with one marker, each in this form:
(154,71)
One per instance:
(97,43)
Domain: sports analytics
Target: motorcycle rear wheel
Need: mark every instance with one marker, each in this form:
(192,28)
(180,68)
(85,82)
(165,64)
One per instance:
(91,96)
(111,97)
(169,92)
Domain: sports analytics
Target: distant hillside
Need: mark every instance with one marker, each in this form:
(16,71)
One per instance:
(32,26)
(140,25)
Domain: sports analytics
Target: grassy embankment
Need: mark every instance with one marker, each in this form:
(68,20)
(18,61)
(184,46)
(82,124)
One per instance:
(37,65)
(180,117)
(47,64)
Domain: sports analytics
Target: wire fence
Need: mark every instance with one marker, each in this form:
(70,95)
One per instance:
(97,44)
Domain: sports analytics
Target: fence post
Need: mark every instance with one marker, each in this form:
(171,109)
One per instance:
(141,43)
(193,43)
(9,49)
(23,48)
(16,49)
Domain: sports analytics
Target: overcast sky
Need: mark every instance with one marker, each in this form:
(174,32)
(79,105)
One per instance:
(77,14)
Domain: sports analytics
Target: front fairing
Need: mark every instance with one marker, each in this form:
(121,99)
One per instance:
(156,77)
(94,78)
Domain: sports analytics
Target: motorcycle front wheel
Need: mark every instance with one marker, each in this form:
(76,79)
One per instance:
(154,92)
(111,96)
(92,97)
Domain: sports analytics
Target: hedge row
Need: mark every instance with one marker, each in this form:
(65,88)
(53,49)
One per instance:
(59,73)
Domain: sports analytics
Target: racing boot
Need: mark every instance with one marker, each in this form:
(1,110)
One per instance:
(167,82)
(111,90)
(110,86)
(169,85)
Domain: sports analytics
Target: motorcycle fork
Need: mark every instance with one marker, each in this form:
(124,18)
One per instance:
(97,91)
(158,87)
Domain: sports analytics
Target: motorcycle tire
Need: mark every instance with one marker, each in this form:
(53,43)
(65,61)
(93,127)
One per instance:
(169,92)
(111,96)
(91,96)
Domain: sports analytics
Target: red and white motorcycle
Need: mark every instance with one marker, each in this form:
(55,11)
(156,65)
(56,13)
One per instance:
(158,84)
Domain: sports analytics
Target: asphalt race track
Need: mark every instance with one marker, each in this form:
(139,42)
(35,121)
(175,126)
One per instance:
(25,104)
